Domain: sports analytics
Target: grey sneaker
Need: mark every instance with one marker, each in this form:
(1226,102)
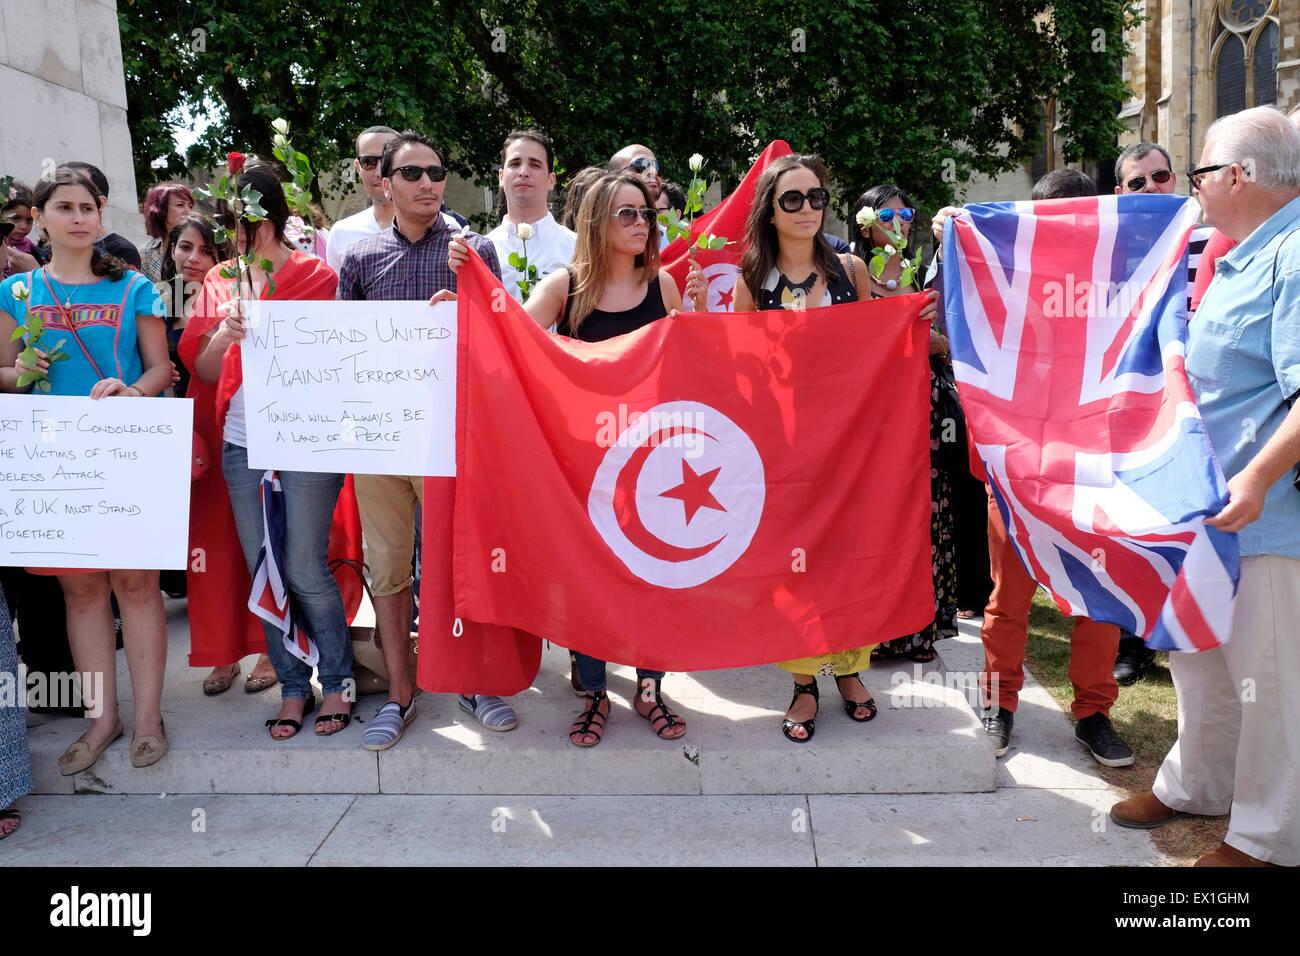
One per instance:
(492,712)
(1097,734)
(997,724)
(387,726)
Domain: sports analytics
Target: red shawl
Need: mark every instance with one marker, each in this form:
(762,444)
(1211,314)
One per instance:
(222,629)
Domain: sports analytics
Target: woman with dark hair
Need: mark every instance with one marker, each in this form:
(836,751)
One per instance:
(613,286)
(17,251)
(892,212)
(210,344)
(114,318)
(165,205)
(189,254)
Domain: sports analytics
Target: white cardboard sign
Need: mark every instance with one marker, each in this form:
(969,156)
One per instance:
(361,387)
(95,483)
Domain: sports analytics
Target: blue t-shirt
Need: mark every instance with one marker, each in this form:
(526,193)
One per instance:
(1243,362)
(106,328)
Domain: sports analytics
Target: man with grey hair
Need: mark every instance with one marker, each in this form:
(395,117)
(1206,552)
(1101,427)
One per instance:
(1238,744)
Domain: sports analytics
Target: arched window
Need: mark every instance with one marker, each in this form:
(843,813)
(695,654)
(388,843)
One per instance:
(1244,54)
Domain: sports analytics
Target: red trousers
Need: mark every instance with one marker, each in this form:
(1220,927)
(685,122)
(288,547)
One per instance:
(1006,631)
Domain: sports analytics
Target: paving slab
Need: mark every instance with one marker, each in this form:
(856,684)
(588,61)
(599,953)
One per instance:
(571,831)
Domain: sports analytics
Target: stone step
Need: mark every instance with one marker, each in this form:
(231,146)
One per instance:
(926,739)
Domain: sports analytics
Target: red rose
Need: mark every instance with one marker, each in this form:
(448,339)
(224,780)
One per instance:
(236,163)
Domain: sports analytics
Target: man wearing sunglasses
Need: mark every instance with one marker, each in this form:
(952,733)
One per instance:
(526,178)
(1238,724)
(640,162)
(377,216)
(406,261)
(1144,168)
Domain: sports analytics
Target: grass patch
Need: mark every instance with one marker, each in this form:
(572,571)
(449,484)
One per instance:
(1145,715)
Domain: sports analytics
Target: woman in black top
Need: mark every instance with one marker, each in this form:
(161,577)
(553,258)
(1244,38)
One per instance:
(613,286)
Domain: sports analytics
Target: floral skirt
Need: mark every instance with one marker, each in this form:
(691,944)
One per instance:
(15,762)
(838,664)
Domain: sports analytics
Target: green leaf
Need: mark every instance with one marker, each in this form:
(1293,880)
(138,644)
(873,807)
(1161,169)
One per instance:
(43,384)
(58,357)
(26,379)
(266,265)
(515,260)
(717,242)
(270,285)
(34,324)
(877,265)
(30,358)
(228,273)
(18,334)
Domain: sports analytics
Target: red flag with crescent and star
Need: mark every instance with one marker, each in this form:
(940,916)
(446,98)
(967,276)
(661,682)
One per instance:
(721,266)
(704,492)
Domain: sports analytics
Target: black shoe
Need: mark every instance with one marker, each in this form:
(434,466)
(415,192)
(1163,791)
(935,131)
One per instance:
(1097,734)
(997,724)
(1131,665)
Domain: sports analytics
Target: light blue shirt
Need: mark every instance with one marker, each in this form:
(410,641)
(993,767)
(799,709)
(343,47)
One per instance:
(1243,362)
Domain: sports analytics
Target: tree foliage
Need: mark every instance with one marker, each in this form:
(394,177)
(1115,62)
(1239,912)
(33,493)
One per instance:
(909,91)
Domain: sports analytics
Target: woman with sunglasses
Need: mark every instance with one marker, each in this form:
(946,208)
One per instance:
(211,343)
(894,214)
(788,263)
(613,286)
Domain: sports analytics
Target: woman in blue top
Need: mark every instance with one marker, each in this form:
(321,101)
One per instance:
(111,320)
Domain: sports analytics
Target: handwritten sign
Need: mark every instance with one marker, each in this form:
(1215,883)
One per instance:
(364,387)
(95,483)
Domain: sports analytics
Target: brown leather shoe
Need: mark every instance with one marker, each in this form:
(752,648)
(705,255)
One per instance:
(1227,855)
(1143,812)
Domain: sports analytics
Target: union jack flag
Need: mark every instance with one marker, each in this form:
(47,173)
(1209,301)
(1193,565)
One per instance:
(270,599)
(1068,326)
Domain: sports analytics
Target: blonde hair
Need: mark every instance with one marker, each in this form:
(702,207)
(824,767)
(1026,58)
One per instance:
(590,266)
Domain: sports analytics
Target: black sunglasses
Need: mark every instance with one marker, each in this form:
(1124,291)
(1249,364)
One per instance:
(1194,175)
(1138,183)
(412,174)
(369,162)
(627,215)
(792,200)
(641,164)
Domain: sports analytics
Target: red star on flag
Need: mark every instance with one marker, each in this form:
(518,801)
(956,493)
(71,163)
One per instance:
(694,491)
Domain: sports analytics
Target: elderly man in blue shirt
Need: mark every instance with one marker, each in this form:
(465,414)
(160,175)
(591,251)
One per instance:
(1238,747)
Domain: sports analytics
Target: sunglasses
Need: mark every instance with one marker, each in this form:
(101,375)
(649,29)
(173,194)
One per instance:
(792,200)
(1194,176)
(412,174)
(627,215)
(641,164)
(369,162)
(907,214)
(1138,183)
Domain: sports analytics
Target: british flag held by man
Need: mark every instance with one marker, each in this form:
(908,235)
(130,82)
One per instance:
(1067,322)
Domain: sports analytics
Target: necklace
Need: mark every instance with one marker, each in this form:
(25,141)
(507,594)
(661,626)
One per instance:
(804,287)
(67,296)
(890,284)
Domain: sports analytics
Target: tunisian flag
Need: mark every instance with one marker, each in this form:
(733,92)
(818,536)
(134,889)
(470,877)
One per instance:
(722,266)
(705,492)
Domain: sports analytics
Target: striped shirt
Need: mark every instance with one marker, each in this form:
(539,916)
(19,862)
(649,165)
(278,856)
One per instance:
(390,266)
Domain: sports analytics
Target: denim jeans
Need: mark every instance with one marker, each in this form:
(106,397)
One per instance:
(309,500)
(592,673)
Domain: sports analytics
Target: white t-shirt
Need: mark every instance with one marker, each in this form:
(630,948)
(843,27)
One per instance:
(550,248)
(347,231)
(235,431)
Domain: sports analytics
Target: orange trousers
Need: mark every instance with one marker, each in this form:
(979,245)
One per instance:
(1006,631)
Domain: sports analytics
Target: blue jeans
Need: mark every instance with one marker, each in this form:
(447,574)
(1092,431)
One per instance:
(309,500)
(592,673)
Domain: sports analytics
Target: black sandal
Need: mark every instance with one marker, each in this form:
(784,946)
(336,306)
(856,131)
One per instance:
(343,719)
(588,718)
(665,719)
(807,726)
(851,706)
(286,722)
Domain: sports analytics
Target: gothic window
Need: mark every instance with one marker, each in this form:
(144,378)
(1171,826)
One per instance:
(1244,54)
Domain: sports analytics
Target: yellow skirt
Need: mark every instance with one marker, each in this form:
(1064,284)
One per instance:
(838,664)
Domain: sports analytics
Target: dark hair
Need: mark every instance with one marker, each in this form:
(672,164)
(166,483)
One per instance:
(1063,184)
(876,197)
(575,190)
(219,251)
(22,196)
(1139,151)
(761,244)
(267,180)
(95,173)
(405,138)
(101,263)
(156,204)
(676,196)
(373,129)
(538,137)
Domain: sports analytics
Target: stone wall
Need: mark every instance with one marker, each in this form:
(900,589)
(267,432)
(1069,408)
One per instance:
(64,97)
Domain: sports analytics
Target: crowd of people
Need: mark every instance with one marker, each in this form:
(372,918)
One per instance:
(165,320)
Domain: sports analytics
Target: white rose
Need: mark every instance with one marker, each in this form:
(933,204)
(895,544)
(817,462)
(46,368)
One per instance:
(866,217)
(20,290)
(890,250)
(525,231)
(696,162)
(281,126)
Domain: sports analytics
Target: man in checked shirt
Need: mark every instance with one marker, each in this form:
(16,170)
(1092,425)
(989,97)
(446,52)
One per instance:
(406,261)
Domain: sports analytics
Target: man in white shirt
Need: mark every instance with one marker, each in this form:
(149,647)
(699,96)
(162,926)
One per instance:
(526,178)
(376,217)
(640,162)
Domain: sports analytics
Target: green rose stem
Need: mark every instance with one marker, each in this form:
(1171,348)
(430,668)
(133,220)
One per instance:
(678,228)
(894,246)
(520,262)
(33,329)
